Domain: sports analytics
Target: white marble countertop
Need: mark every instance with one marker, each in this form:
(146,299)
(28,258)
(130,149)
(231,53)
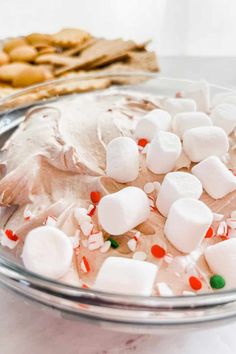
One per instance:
(27,329)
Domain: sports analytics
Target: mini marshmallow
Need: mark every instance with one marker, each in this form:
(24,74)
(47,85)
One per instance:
(164,151)
(187,223)
(152,123)
(187,120)
(179,105)
(177,185)
(122,160)
(200,93)
(216,179)
(221,260)
(224,116)
(48,252)
(201,142)
(124,210)
(126,276)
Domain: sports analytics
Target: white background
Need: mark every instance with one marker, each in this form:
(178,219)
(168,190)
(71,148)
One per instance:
(189,27)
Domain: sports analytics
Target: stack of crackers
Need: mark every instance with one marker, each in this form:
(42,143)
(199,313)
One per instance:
(38,57)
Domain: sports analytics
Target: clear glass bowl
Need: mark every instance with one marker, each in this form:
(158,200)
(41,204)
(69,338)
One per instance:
(120,312)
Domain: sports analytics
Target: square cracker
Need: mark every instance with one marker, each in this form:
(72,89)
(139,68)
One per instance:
(102,52)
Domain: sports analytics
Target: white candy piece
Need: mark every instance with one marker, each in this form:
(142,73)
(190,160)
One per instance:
(216,179)
(126,276)
(164,151)
(47,251)
(152,123)
(221,260)
(179,105)
(200,93)
(202,142)
(124,210)
(188,120)
(122,160)
(177,185)
(224,116)
(187,224)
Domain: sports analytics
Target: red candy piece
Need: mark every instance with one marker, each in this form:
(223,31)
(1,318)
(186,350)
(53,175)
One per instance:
(11,235)
(157,251)
(86,263)
(92,211)
(195,283)
(95,196)
(142,142)
(209,233)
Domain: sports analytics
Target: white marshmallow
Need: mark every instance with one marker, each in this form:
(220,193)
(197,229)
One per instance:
(122,160)
(124,210)
(188,120)
(177,185)
(224,116)
(187,223)
(126,276)
(221,260)
(179,105)
(48,252)
(201,142)
(216,179)
(163,153)
(200,93)
(152,123)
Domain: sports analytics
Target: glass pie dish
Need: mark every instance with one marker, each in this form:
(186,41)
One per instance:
(121,312)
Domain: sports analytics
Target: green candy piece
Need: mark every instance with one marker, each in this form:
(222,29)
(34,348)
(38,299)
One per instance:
(114,244)
(217,282)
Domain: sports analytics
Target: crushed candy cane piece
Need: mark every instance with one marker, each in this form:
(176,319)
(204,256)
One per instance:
(140,256)
(105,247)
(81,216)
(148,187)
(132,244)
(50,221)
(9,239)
(86,228)
(209,233)
(95,241)
(91,210)
(163,289)
(85,267)
(157,186)
(95,197)
(222,229)
(231,223)
(218,217)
